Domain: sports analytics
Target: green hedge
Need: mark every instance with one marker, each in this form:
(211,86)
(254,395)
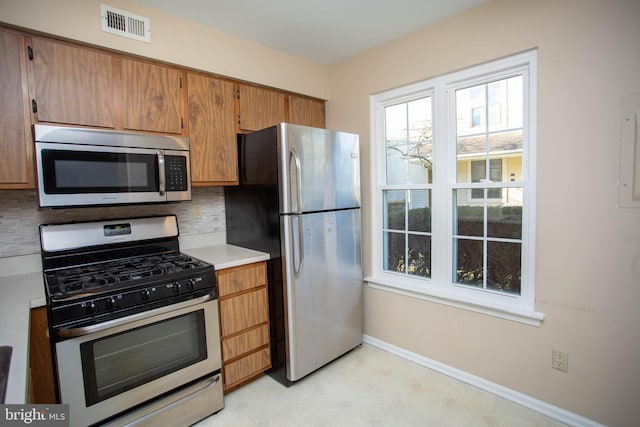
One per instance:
(503,258)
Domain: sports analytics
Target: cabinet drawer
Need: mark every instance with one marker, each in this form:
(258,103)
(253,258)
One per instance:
(246,342)
(243,311)
(247,367)
(237,279)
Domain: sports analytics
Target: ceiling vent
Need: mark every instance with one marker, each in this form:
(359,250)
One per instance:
(125,24)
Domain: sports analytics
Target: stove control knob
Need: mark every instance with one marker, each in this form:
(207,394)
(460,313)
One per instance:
(145,295)
(91,308)
(191,284)
(176,288)
(110,303)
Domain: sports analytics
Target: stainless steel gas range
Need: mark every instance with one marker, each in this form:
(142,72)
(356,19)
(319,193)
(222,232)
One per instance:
(133,322)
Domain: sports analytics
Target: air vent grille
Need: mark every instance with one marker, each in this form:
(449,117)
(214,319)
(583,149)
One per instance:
(125,24)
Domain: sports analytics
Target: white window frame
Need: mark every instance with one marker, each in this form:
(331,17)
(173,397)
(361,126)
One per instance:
(440,287)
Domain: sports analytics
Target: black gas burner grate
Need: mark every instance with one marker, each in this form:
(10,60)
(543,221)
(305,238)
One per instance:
(73,280)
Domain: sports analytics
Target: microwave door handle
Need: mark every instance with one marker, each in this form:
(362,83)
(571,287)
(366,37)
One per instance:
(161,176)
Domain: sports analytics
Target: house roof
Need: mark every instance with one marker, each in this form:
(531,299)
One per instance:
(501,143)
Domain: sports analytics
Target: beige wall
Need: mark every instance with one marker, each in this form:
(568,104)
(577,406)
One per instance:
(588,250)
(173,40)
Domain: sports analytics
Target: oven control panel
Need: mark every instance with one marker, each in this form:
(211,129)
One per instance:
(132,300)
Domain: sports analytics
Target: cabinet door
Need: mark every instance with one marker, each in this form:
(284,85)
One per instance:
(259,107)
(212,133)
(72,84)
(307,112)
(238,279)
(243,311)
(16,148)
(241,370)
(40,361)
(151,97)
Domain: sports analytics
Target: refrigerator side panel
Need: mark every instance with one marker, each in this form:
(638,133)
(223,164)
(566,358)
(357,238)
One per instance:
(319,169)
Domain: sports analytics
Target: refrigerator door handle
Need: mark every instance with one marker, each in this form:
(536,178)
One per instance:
(293,156)
(298,270)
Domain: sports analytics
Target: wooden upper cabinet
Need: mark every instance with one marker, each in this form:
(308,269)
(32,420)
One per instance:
(307,112)
(72,84)
(16,147)
(212,132)
(151,97)
(260,108)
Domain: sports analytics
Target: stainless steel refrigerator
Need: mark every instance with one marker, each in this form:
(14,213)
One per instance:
(298,199)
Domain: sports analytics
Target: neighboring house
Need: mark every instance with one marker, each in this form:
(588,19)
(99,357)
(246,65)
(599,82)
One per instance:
(501,102)
(505,164)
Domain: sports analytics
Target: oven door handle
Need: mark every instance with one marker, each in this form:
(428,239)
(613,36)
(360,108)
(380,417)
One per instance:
(91,329)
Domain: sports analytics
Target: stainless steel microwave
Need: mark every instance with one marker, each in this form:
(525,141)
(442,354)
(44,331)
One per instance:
(90,167)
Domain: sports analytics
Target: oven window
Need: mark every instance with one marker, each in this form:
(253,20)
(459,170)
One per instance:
(121,362)
(68,172)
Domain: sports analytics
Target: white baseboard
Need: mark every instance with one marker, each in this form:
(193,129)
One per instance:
(522,399)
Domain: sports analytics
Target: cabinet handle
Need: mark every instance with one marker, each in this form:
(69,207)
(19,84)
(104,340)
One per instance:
(34,106)
(30,53)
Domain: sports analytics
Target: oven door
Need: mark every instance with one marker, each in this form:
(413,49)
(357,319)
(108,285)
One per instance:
(110,371)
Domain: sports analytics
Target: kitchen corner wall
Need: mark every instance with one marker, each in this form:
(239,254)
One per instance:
(20,217)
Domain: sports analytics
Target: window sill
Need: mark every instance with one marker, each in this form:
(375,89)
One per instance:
(515,314)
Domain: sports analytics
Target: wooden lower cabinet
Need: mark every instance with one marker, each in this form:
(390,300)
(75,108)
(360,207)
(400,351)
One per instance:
(41,382)
(244,323)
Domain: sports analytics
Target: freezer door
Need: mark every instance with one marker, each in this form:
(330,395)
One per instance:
(319,169)
(322,287)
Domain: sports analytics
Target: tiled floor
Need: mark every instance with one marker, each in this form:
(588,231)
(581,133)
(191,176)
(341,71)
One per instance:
(371,387)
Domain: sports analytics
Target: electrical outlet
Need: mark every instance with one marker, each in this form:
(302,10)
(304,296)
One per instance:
(197,212)
(560,360)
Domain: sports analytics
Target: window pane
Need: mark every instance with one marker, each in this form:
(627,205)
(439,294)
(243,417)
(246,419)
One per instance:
(505,220)
(471,110)
(396,123)
(394,252)
(504,266)
(419,113)
(420,136)
(478,173)
(420,210)
(468,215)
(505,101)
(396,142)
(409,142)
(395,202)
(468,257)
(419,255)
(397,164)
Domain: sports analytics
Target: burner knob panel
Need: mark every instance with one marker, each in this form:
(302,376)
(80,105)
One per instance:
(144,295)
(91,308)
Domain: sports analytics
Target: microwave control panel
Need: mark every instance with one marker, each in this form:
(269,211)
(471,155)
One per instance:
(176,173)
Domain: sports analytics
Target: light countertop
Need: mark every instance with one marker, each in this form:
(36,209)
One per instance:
(226,256)
(22,289)
(19,293)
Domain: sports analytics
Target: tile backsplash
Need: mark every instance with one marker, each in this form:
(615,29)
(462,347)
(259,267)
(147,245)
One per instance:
(20,217)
